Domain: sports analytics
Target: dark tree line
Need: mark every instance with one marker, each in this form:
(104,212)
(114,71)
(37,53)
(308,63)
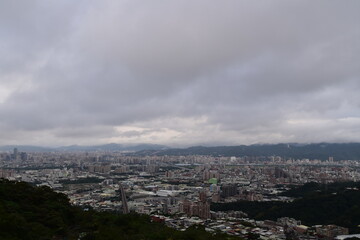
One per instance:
(337,203)
(38,213)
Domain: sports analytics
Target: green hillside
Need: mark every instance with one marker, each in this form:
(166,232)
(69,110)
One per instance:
(37,213)
(337,203)
(340,151)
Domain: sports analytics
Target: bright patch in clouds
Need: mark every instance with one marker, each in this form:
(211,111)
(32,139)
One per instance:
(179,73)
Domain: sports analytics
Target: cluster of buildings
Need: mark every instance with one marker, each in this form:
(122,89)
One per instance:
(199,208)
(179,190)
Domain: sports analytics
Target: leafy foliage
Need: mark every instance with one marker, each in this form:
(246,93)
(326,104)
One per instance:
(317,188)
(335,204)
(36,213)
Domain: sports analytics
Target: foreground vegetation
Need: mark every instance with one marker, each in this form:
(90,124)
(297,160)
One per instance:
(337,203)
(28,212)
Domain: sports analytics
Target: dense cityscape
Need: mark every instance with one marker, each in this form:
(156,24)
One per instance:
(180,190)
(179,120)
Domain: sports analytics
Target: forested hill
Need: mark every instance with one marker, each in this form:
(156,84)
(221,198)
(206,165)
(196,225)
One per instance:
(336,203)
(340,151)
(38,213)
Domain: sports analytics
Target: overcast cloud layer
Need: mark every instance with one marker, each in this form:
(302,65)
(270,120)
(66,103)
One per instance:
(179,72)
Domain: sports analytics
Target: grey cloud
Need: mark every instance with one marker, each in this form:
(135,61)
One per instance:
(85,132)
(248,68)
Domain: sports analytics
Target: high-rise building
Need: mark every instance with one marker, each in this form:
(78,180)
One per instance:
(123,199)
(207,174)
(15,156)
(202,196)
(200,209)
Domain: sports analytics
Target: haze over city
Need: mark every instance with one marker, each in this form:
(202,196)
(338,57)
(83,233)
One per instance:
(179,73)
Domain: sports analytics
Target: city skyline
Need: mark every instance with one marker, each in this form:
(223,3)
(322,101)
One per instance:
(179,73)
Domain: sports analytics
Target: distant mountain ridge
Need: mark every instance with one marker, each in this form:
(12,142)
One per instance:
(111,147)
(322,151)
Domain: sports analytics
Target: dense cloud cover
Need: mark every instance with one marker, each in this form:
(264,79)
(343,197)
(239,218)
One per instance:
(179,72)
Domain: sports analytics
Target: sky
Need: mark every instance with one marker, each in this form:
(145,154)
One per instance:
(179,73)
